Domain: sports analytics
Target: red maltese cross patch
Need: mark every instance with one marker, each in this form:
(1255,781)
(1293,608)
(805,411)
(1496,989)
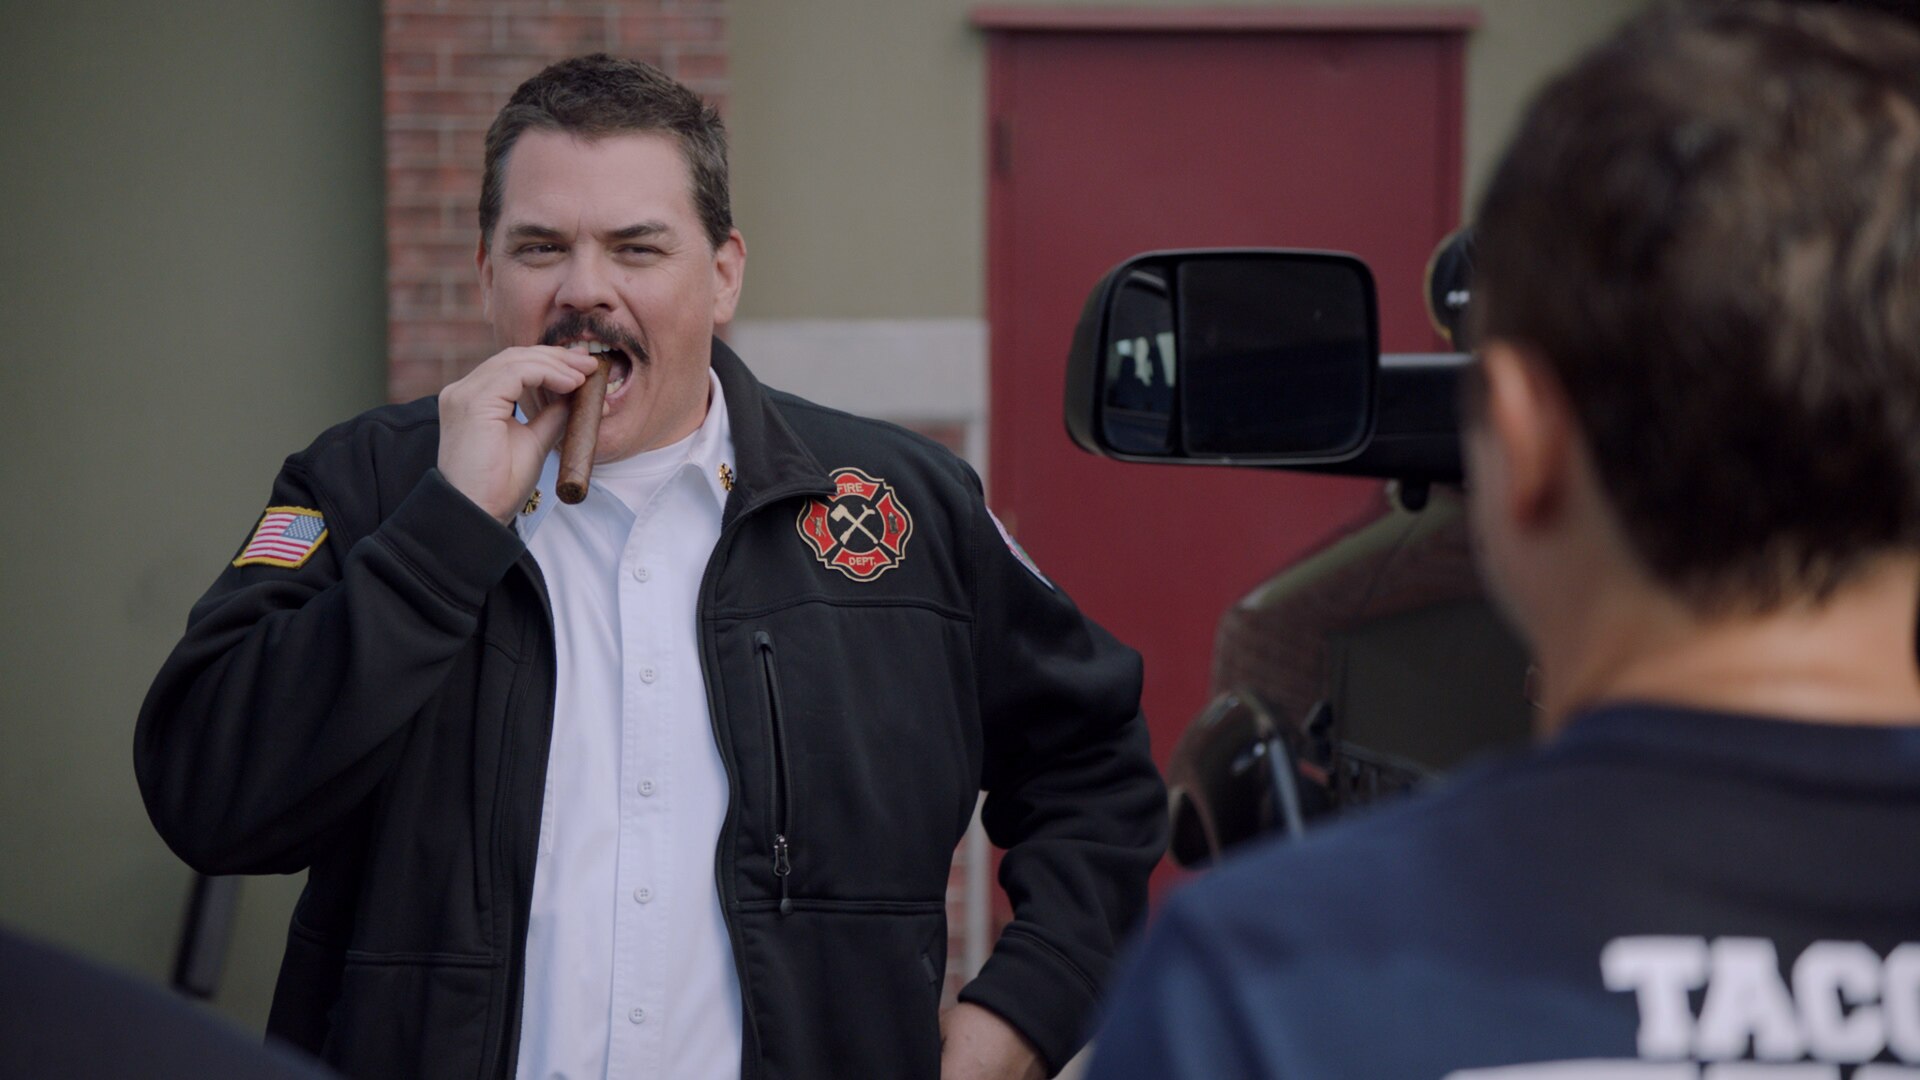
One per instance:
(862,531)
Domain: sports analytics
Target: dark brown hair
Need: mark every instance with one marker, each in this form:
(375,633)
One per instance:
(1710,230)
(601,95)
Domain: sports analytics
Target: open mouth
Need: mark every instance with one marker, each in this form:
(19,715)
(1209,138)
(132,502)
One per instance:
(619,364)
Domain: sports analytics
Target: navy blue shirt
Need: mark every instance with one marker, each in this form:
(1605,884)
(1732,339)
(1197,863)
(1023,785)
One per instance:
(1652,885)
(63,1016)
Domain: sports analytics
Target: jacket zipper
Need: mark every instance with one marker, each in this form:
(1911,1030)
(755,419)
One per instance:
(782,783)
(723,861)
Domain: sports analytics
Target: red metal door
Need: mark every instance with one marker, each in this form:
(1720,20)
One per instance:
(1113,134)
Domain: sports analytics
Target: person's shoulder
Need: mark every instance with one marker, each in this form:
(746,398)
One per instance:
(840,438)
(390,426)
(389,443)
(61,1015)
(361,468)
(1352,880)
(1455,926)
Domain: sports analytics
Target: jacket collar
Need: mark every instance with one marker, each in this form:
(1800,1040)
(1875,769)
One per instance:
(771,461)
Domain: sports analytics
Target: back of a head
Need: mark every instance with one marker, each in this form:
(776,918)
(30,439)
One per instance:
(1710,230)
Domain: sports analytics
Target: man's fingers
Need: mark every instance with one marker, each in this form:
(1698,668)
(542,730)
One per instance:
(505,379)
(549,425)
(547,368)
(483,452)
(575,364)
(578,358)
(560,380)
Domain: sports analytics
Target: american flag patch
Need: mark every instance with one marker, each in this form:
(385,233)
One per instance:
(286,536)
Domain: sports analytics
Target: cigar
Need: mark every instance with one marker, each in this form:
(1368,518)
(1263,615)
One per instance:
(583,430)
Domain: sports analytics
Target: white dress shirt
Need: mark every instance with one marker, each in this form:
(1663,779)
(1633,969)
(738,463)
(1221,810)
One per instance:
(630,971)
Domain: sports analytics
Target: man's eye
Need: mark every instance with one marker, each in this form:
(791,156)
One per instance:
(538,249)
(638,249)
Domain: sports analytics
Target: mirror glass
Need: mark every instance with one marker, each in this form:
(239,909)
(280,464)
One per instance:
(1450,288)
(1136,404)
(1277,355)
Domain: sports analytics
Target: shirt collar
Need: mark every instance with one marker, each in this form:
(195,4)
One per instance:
(711,452)
(772,461)
(712,449)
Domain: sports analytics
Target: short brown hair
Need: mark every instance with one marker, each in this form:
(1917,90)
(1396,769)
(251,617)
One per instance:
(601,95)
(1710,230)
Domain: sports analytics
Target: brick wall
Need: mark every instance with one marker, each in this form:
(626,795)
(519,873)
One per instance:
(449,65)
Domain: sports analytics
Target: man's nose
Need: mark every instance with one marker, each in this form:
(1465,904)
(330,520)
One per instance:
(587,285)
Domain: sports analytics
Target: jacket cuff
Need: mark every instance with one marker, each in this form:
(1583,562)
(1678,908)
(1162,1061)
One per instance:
(1037,990)
(458,548)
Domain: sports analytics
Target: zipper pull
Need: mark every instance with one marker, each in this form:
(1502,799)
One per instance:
(782,867)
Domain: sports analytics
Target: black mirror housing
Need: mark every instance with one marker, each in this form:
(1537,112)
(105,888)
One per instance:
(1220,357)
(1227,357)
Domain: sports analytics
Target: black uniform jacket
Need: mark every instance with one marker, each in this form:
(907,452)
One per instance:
(380,716)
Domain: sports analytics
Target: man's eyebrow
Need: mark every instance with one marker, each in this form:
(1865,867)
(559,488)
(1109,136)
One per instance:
(530,231)
(640,231)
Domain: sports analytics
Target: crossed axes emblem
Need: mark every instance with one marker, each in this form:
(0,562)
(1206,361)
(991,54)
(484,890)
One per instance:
(831,526)
(841,513)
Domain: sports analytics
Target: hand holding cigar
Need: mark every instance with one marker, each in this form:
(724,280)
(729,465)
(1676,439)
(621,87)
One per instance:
(583,431)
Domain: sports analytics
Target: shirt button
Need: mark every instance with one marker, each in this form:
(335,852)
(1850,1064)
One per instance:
(646,787)
(640,573)
(643,894)
(647,675)
(638,1016)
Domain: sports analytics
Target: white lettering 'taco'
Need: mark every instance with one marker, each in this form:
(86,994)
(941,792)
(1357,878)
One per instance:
(1845,1004)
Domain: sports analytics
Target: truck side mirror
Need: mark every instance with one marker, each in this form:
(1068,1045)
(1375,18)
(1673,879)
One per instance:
(1233,356)
(1268,357)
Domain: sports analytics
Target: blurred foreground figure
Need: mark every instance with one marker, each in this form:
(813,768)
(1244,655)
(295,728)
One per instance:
(1694,466)
(62,1016)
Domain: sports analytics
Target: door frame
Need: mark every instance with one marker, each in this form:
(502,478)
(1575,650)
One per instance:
(1037,17)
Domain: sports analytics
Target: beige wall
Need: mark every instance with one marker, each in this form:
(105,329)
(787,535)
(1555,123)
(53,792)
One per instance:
(190,288)
(858,140)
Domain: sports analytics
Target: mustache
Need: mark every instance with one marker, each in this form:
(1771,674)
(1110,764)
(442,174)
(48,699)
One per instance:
(579,324)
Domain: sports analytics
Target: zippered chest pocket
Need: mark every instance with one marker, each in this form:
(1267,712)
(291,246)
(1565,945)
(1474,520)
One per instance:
(780,780)
(859,757)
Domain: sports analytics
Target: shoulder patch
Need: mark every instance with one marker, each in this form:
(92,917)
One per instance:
(1020,553)
(286,536)
(862,531)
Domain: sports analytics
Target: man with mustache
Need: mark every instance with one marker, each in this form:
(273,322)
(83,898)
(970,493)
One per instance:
(665,783)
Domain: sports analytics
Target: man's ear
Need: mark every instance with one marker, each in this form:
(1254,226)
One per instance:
(483,263)
(729,273)
(1526,413)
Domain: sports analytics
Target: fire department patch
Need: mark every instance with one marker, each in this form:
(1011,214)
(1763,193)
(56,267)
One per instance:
(862,532)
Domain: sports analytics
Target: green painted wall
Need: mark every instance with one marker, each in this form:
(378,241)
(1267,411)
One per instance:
(191,287)
(858,126)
